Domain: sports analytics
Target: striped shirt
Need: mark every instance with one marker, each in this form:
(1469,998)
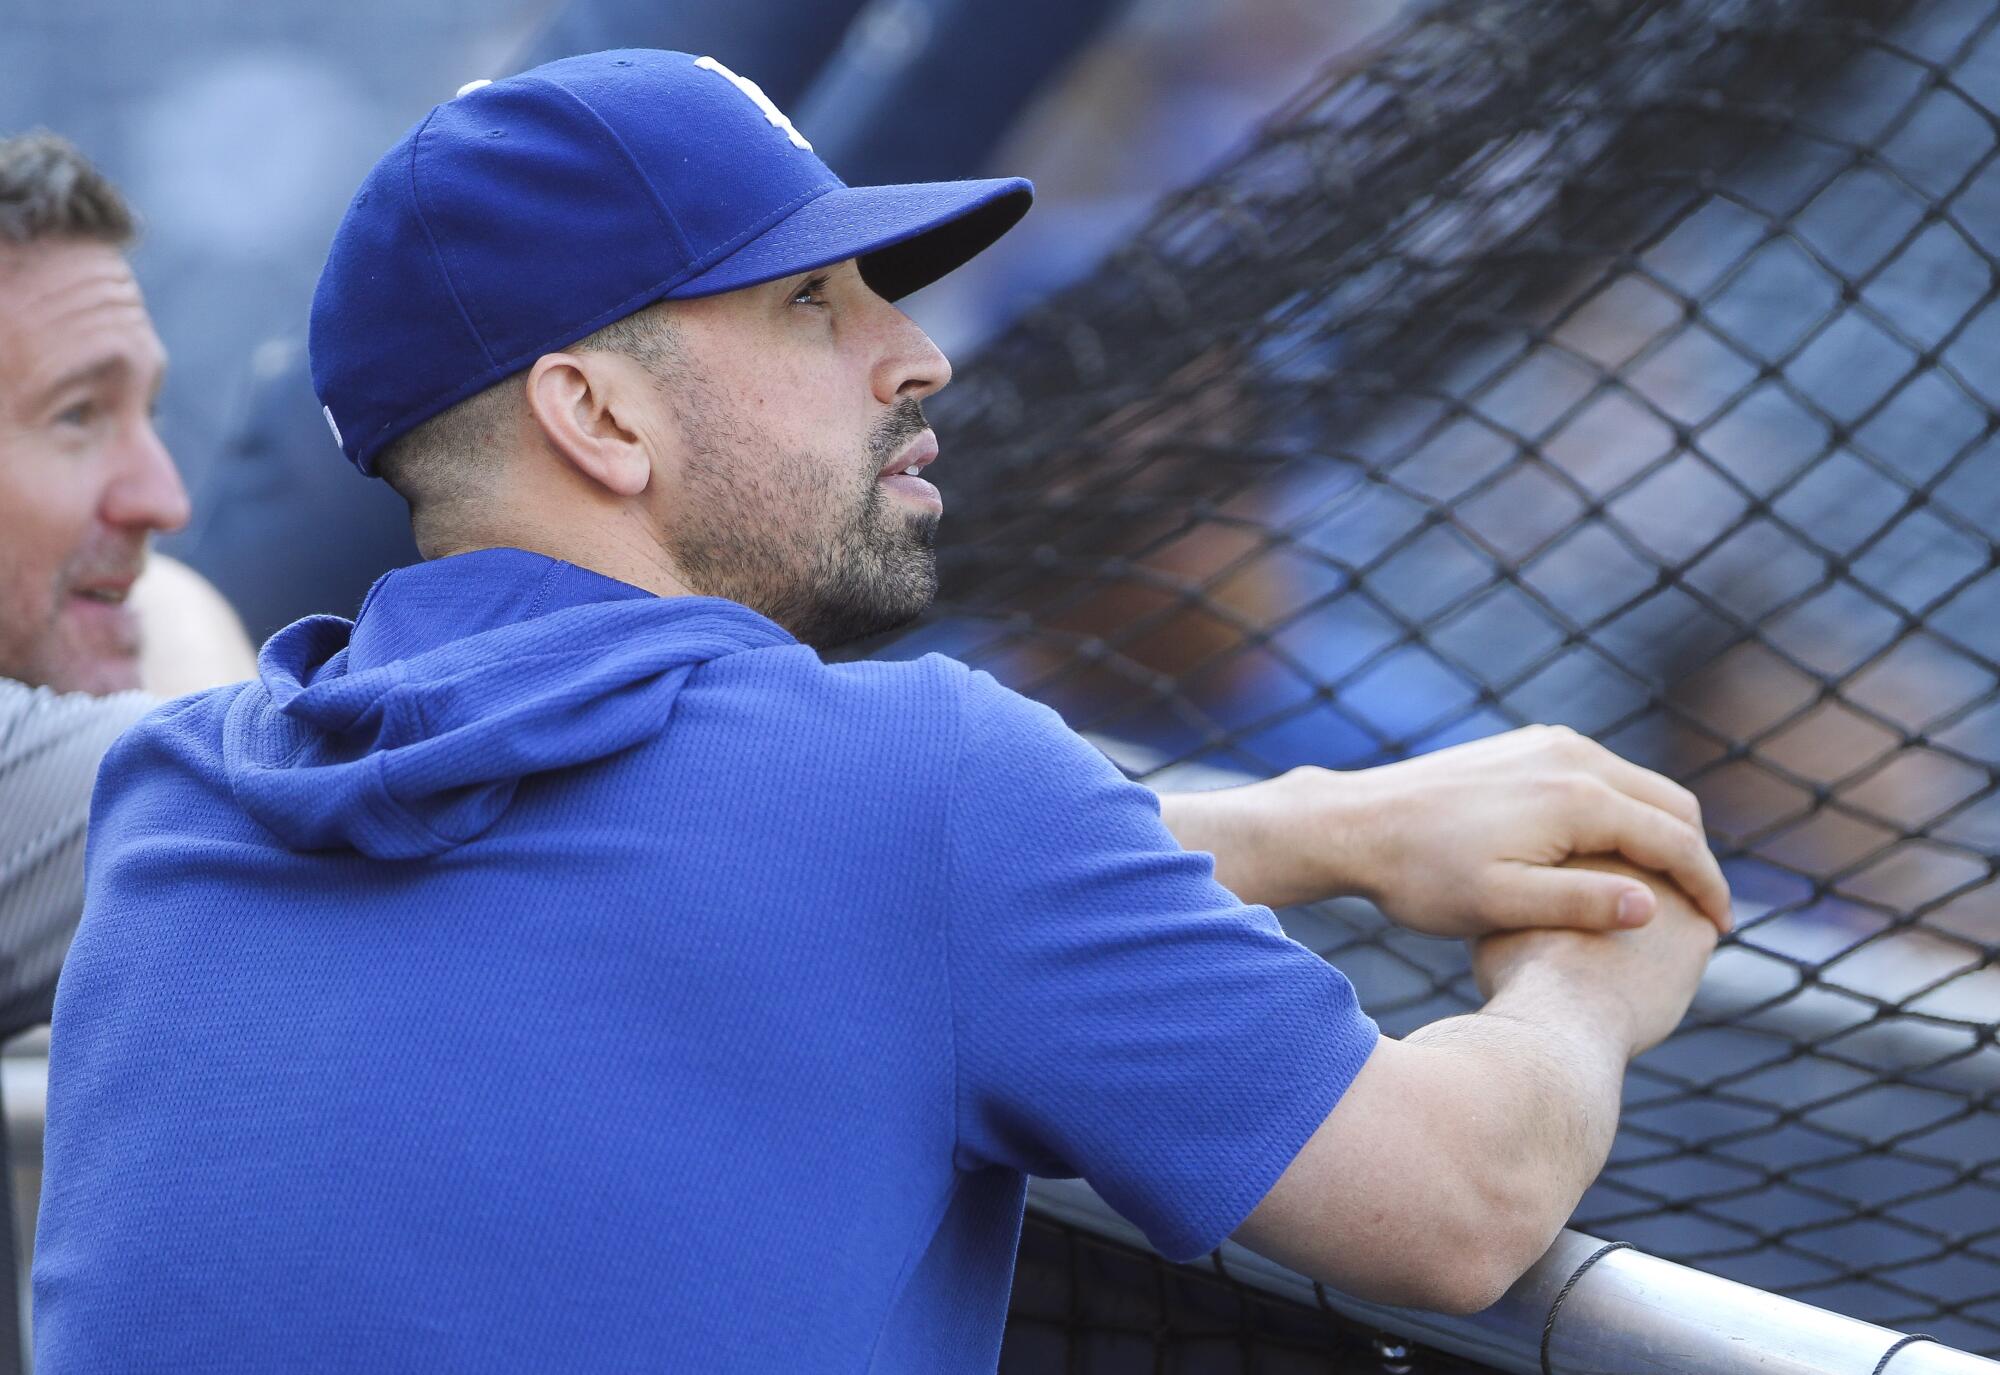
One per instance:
(50,745)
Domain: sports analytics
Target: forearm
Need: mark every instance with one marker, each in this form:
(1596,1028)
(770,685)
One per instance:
(1254,833)
(1539,1070)
(1530,1085)
(1455,1156)
(1463,842)
(1470,1141)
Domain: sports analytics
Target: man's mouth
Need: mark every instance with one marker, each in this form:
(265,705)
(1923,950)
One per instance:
(903,474)
(106,589)
(918,455)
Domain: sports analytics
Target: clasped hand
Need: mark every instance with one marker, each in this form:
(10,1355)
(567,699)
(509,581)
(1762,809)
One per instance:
(1466,841)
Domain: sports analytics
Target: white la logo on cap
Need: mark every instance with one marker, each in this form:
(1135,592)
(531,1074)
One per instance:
(756,94)
(339,443)
(469,87)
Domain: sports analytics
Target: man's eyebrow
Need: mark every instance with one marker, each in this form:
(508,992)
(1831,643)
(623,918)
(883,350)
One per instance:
(102,370)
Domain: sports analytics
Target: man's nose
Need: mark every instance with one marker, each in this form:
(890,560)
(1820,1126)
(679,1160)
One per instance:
(147,493)
(911,366)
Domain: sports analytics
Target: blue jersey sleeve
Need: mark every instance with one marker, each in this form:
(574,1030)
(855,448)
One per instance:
(1118,1014)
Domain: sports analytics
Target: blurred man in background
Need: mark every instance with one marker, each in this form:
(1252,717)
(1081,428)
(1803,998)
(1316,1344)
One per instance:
(86,481)
(84,485)
(90,636)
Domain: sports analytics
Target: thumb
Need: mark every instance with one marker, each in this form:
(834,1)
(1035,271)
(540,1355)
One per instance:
(1583,899)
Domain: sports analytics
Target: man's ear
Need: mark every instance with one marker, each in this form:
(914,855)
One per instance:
(586,407)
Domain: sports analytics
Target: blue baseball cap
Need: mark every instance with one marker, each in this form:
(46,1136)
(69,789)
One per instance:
(524,214)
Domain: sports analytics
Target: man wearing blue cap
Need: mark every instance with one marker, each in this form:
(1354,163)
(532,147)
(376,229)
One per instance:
(562,968)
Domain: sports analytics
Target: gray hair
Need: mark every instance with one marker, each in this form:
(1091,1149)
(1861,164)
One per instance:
(49,190)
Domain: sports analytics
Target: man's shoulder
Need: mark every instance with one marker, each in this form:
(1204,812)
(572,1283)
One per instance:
(930,718)
(884,675)
(37,722)
(185,731)
(794,682)
(23,702)
(901,694)
(1004,741)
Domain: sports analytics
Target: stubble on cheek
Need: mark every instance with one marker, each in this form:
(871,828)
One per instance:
(26,624)
(822,550)
(50,639)
(35,646)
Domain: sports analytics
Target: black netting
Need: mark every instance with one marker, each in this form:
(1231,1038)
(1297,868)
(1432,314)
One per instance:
(1630,365)
(1082,1306)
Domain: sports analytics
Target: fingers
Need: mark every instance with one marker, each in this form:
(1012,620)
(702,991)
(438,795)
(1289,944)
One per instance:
(1646,786)
(1607,821)
(1534,895)
(1631,779)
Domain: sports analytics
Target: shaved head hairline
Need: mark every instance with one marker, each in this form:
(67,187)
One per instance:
(445,467)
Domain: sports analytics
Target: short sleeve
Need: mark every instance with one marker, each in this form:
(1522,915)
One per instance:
(50,747)
(1118,1014)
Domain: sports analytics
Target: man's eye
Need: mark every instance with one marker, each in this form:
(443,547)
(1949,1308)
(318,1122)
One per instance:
(82,413)
(810,294)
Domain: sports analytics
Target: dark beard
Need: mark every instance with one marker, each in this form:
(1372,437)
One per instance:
(878,581)
(878,571)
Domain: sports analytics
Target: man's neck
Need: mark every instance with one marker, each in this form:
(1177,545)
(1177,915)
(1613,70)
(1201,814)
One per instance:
(632,558)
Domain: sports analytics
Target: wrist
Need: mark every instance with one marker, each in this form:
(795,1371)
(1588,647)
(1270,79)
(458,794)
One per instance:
(1281,842)
(1303,822)
(1566,1000)
(1340,813)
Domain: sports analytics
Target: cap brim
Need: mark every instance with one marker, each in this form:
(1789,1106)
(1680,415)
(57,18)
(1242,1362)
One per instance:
(905,236)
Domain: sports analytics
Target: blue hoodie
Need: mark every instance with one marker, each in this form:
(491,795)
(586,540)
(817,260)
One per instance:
(538,974)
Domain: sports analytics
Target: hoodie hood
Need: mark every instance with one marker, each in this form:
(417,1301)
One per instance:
(405,732)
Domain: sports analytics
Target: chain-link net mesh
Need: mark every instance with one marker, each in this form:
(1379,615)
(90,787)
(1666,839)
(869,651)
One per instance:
(1082,1306)
(1630,365)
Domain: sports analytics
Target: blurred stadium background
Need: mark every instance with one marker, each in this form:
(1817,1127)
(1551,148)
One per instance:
(1629,365)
